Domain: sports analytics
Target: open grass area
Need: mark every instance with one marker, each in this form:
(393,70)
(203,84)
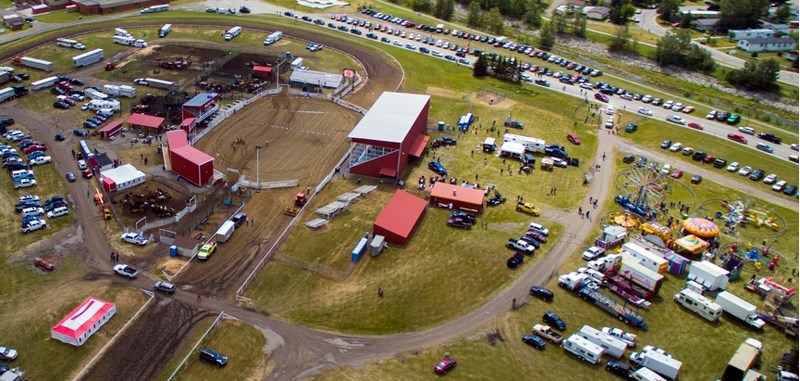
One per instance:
(414,278)
(62,16)
(61,57)
(704,348)
(27,321)
(638,33)
(242,344)
(651,133)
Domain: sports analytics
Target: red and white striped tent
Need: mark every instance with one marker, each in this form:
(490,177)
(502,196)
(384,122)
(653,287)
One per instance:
(83,321)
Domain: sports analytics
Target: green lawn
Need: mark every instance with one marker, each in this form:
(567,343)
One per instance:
(607,27)
(651,133)
(242,344)
(62,57)
(62,16)
(685,335)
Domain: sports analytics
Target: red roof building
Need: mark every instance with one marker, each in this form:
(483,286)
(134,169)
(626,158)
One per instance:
(188,162)
(389,135)
(188,125)
(463,198)
(145,122)
(110,130)
(400,217)
(264,72)
(83,321)
(201,106)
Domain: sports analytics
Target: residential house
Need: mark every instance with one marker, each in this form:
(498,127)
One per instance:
(13,21)
(791,56)
(597,13)
(705,25)
(767,44)
(744,34)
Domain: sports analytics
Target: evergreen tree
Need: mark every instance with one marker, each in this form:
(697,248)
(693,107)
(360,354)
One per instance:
(579,26)
(494,21)
(667,9)
(475,15)
(547,36)
(533,16)
(741,14)
(481,67)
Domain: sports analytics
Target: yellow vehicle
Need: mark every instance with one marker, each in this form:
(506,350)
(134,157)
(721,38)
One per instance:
(527,207)
(206,251)
(657,230)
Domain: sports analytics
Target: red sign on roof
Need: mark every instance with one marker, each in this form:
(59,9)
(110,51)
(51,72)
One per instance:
(83,317)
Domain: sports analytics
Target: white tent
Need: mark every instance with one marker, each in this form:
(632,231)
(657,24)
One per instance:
(512,149)
(124,176)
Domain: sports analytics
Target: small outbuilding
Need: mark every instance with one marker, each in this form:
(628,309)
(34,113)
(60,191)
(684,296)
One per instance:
(82,322)
(101,162)
(148,123)
(457,197)
(201,106)
(399,217)
(122,177)
(309,80)
(13,21)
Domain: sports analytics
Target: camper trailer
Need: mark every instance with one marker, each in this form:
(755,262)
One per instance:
(699,304)
(584,349)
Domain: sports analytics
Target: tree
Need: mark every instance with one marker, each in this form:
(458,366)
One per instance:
(677,49)
(667,9)
(755,75)
(533,17)
(621,11)
(686,20)
(783,13)
(494,21)
(622,41)
(424,6)
(480,69)
(741,14)
(444,9)
(579,26)
(475,15)
(560,22)
(547,36)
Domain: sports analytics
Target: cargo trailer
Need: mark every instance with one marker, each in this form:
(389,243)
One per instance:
(88,58)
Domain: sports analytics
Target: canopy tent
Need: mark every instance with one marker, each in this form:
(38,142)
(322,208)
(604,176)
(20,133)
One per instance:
(700,227)
(691,245)
(512,149)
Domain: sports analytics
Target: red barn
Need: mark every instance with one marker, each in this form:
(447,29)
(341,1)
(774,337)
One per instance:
(201,106)
(188,162)
(400,217)
(93,7)
(391,132)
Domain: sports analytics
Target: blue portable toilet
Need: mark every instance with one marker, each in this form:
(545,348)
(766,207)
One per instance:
(173,251)
(288,55)
(441,126)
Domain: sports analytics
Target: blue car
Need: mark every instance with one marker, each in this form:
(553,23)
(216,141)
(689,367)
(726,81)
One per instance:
(533,340)
(437,167)
(550,318)
(424,50)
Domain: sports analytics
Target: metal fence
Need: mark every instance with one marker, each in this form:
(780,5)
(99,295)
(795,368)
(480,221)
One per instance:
(232,109)
(317,268)
(222,315)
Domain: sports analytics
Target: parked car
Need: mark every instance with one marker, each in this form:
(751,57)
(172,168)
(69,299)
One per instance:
(745,171)
(211,356)
(666,144)
(206,251)
(533,340)
(619,368)
(71,177)
(438,168)
(777,187)
(134,238)
(593,253)
(459,222)
(695,125)
(737,138)
(771,179)
(447,364)
(645,111)
(631,127)
(790,190)
(676,119)
(732,167)
(7,354)
(126,271)
(552,319)
(764,147)
(696,179)
(747,130)
(541,293)
(165,287)
(677,174)
(675,147)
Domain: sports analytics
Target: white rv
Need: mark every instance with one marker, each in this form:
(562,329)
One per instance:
(232,32)
(129,41)
(531,144)
(164,31)
(699,304)
(584,349)
(611,345)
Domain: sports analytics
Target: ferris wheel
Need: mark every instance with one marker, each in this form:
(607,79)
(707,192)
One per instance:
(644,185)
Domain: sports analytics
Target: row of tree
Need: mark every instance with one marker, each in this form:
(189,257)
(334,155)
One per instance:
(493,65)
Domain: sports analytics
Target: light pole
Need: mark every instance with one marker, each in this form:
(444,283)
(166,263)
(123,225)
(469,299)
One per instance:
(258,183)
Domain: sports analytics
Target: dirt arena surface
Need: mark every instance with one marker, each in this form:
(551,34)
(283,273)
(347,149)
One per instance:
(300,138)
(170,198)
(158,331)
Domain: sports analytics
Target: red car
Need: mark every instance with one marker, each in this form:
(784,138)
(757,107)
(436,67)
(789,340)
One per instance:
(87,173)
(601,97)
(445,365)
(695,125)
(574,139)
(34,147)
(677,174)
(737,138)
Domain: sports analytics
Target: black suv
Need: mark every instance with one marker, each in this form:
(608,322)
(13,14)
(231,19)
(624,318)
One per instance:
(214,357)
(553,320)
(699,155)
(719,163)
(758,174)
(542,293)
(619,368)
(6,122)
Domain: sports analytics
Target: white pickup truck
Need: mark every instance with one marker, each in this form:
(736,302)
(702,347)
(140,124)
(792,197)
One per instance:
(520,245)
(126,271)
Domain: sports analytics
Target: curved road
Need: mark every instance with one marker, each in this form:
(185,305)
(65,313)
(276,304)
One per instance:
(295,350)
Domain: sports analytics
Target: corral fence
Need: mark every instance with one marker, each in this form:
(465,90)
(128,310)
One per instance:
(232,109)
(267,184)
(270,251)
(217,322)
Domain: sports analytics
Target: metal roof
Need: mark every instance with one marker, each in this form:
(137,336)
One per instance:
(318,78)
(123,174)
(391,117)
(200,100)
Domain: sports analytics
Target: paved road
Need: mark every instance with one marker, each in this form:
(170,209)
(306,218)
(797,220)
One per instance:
(650,24)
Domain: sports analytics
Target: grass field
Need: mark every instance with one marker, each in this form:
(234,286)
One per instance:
(651,133)
(240,342)
(62,16)
(683,334)
(638,33)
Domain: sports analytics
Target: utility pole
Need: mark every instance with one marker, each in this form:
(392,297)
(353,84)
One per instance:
(258,182)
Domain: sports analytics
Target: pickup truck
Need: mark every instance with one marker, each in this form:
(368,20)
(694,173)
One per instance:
(527,207)
(520,245)
(547,333)
(126,271)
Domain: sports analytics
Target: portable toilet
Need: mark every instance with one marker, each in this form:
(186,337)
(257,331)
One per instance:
(173,251)
(441,126)
(288,56)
